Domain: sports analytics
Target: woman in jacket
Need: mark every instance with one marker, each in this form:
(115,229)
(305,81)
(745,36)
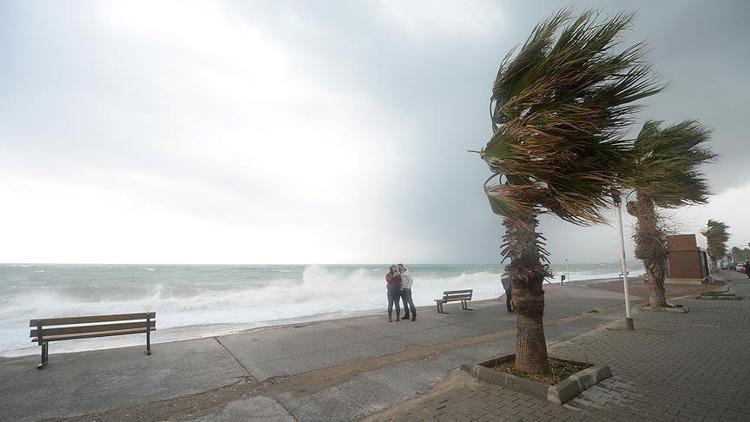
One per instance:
(393,286)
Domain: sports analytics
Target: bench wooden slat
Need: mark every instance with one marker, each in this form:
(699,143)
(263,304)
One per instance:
(456,295)
(448,292)
(91,318)
(47,332)
(463,296)
(102,334)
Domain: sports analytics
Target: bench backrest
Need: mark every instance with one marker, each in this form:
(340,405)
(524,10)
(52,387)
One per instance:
(456,295)
(55,329)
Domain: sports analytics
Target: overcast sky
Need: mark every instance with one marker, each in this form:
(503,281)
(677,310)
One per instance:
(308,132)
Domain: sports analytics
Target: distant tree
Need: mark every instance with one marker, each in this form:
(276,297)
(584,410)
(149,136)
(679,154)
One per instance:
(558,107)
(664,172)
(716,238)
(740,255)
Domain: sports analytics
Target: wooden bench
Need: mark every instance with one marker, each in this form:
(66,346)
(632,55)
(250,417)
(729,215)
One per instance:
(463,296)
(58,329)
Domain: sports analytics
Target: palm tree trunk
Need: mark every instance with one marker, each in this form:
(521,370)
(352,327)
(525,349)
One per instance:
(527,275)
(657,294)
(650,248)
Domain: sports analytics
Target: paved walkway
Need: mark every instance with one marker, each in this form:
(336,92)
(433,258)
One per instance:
(355,368)
(331,370)
(681,367)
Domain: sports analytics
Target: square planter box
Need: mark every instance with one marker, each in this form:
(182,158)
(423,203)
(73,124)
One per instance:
(680,309)
(559,393)
(719,297)
(725,294)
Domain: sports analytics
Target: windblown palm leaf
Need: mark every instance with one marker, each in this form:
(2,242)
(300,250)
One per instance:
(665,163)
(716,238)
(557,107)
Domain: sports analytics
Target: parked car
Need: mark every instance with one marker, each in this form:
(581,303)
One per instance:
(741,268)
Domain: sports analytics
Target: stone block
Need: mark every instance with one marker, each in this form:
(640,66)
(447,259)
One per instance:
(677,309)
(559,393)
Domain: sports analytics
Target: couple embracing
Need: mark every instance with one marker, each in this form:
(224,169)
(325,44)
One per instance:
(398,283)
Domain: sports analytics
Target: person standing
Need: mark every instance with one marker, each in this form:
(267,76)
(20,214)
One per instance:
(406,282)
(747,268)
(393,286)
(508,286)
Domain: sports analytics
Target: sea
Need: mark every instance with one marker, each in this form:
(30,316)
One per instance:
(193,301)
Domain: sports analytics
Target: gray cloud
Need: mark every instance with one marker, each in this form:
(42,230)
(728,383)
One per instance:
(88,104)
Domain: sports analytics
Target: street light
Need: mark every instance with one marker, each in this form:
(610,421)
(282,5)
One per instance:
(618,205)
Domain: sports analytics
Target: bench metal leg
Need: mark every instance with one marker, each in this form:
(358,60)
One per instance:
(45,355)
(148,335)
(465,306)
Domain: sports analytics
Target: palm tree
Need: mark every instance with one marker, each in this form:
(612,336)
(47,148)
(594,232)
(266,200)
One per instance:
(557,108)
(663,173)
(716,237)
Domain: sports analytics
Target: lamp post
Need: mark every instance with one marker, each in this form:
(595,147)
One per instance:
(618,205)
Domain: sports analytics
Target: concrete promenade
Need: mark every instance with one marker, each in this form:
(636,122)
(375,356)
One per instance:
(346,369)
(674,367)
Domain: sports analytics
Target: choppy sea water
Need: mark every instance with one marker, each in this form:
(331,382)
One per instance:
(203,300)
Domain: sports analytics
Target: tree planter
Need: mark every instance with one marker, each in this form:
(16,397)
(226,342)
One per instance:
(558,393)
(727,293)
(719,296)
(718,293)
(680,309)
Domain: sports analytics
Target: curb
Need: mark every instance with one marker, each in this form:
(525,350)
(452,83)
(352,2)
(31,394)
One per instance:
(676,310)
(559,393)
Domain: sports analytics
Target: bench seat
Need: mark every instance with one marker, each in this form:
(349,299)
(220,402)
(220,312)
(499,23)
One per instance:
(74,328)
(463,296)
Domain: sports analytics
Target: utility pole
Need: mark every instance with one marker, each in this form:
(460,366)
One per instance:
(618,205)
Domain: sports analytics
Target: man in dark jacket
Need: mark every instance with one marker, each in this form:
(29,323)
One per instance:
(406,283)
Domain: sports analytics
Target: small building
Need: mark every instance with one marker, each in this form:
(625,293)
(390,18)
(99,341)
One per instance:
(686,262)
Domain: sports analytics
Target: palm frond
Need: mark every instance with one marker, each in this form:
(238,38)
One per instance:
(558,107)
(716,238)
(666,161)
